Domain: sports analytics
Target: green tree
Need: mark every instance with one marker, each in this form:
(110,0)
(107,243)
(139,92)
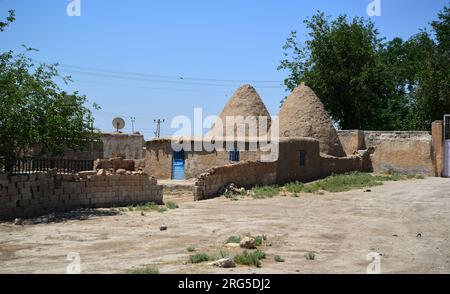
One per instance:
(9,19)
(34,111)
(366,83)
(340,62)
(433,91)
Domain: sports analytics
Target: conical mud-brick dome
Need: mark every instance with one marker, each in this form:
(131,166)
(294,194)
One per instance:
(245,103)
(303,115)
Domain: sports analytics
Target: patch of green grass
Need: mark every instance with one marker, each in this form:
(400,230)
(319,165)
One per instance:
(144,271)
(260,192)
(260,254)
(310,255)
(278,258)
(295,187)
(190,248)
(234,239)
(252,258)
(199,257)
(171,205)
(220,255)
(147,207)
(345,182)
(258,240)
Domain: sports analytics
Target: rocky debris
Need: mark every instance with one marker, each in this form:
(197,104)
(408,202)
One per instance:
(248,243)
(234,189)
(139,172)
(232,245)
(115,163)
(224,263)
(121,171)
(101,172)
(163,228)
(231,190)
(86,174)
(19,222)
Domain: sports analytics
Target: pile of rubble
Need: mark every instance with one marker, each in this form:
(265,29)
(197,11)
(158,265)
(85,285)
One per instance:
(114,166)
(233,190)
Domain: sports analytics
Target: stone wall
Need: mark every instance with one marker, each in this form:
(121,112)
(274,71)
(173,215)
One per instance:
(352,141)
(128,146)
(92,151)
(32,195)
(286,169)
(403,152)
(437,131)
(158,158)
(244,174)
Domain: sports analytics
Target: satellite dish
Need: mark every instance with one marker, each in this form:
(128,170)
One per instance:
(118,123)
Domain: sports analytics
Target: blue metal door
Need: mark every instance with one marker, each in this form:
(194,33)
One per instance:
(178,160)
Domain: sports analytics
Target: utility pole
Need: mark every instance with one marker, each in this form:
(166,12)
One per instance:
(133,119)
(158,127)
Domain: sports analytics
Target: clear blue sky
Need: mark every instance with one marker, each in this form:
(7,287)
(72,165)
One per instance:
(207,39)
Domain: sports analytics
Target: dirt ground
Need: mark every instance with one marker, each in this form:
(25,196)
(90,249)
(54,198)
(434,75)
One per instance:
(407,222)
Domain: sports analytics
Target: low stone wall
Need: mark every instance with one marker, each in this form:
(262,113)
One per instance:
(244,174)
(403,152)
(32,195)
(286,169)
(352,140)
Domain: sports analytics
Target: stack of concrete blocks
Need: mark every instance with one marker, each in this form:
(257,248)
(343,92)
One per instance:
(32,195)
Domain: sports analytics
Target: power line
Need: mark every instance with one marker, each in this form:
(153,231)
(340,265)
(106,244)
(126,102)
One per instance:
(179,77)
(114,76)
(153,88)
(147,87)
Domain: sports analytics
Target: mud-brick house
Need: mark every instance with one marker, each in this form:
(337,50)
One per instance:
(306,133)
(163,162)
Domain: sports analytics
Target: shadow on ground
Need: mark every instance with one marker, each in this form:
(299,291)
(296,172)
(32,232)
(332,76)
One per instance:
(78,214)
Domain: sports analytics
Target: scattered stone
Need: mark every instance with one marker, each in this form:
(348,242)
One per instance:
(142,213)
(18,222)
(101,172)
(247,243)
(234,189)
(86,174)
(163,228)
(232,245)
(121,171)
(394,235)
(224,263)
